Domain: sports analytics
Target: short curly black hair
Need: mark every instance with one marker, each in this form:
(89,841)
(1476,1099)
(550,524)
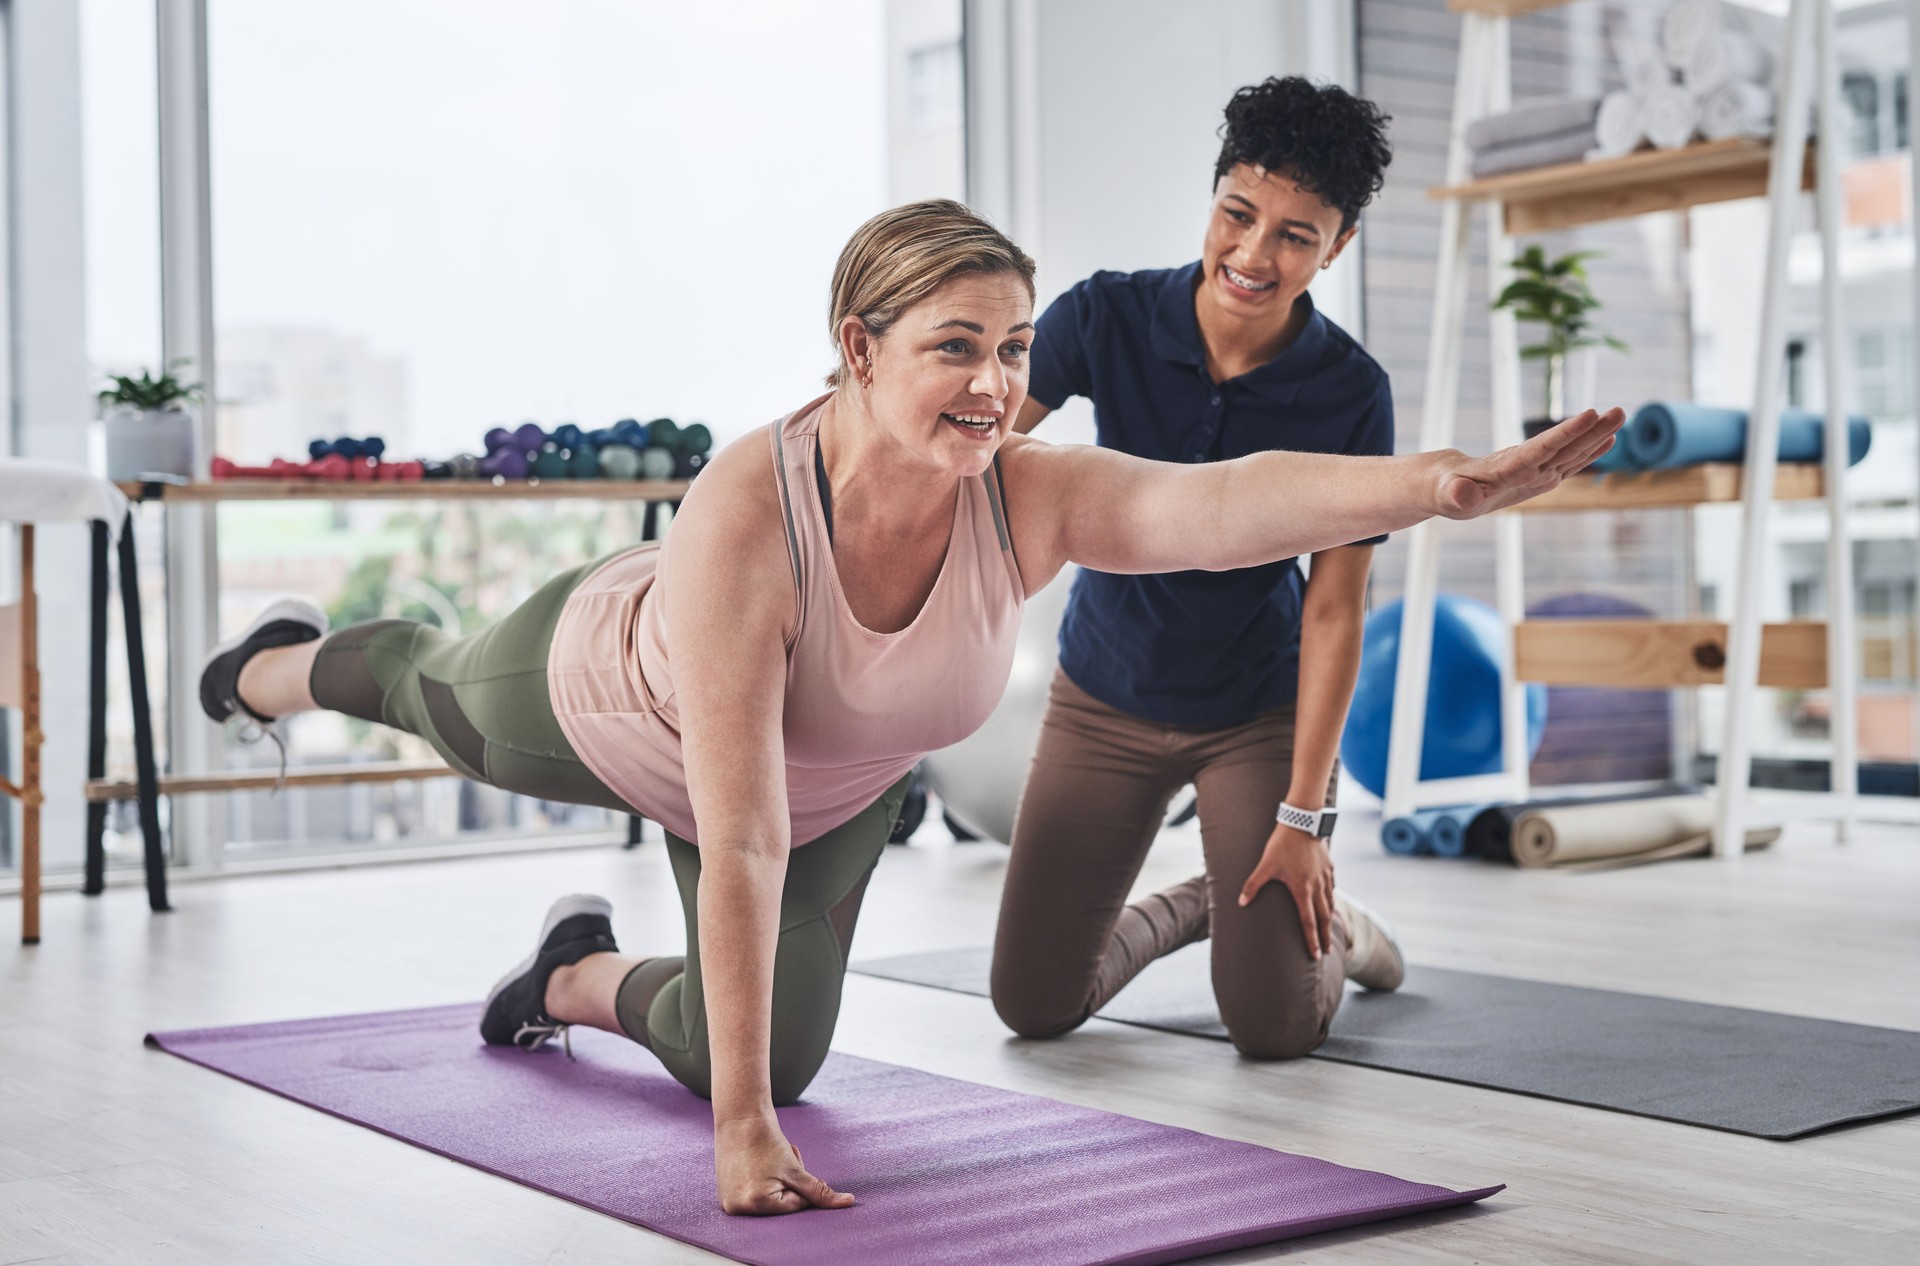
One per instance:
(1331,142)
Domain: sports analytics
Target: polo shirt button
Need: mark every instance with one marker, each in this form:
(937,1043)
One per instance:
(1216,400)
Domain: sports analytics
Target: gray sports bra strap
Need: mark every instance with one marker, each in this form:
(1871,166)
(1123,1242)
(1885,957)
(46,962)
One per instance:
(786,499)
(996,497)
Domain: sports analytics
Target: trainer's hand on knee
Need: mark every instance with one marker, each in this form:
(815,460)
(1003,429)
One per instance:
(759,1173)
(1302,863)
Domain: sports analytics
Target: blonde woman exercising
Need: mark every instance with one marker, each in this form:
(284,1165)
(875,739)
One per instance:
(838,598)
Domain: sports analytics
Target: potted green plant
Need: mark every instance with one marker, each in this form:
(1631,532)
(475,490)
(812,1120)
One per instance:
(148,432)
(1554,294)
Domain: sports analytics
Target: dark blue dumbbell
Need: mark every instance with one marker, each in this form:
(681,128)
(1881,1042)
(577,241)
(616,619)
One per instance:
(567,435)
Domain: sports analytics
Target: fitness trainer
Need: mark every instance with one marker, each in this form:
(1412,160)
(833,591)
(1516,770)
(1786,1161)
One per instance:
(1238,680)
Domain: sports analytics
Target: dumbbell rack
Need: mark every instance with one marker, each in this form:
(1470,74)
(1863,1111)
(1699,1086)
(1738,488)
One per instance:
(149,784)
(1631,652)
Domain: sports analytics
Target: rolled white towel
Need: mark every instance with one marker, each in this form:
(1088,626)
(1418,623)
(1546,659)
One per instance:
(1731,56)
(1688,24)
(1736,108)
(1641,62)
(1617,128)
(1669,116)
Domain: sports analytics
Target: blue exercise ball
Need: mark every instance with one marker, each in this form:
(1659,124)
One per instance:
(1463,695)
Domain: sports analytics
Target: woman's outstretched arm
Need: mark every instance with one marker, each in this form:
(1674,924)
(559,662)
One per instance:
(1111,512)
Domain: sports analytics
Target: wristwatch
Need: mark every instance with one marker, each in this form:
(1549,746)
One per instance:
(1315,822)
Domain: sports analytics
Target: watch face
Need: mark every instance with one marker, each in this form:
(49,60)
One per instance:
(1326,823)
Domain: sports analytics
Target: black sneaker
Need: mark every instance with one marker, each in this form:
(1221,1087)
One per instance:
(285,623)
(516,1011)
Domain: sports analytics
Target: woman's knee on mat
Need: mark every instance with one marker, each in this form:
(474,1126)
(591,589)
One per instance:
(1278,1035)
(1031,1007)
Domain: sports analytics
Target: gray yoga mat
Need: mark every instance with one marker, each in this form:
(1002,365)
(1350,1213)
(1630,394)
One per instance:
(1726,1068)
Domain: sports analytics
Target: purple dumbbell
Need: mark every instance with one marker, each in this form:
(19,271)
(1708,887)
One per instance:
(506,462)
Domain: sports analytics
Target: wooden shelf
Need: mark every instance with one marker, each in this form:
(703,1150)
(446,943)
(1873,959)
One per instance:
(101,790)
(1683,486)
(1542,199)
(1504,8)
(202,491)
(1651,653)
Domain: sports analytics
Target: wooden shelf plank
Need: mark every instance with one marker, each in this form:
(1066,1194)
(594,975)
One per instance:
(1542,199)
(1504,8)
(202,491)
(1653,653)
(1663,489)
(101,790)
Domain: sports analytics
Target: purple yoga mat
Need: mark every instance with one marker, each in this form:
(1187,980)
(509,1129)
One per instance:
(945,1171)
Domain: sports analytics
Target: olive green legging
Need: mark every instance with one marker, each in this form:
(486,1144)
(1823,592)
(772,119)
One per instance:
(482,702)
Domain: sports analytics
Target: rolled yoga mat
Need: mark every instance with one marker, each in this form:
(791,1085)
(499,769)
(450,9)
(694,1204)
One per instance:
(1490,827)
(1624,831)
(1425,832)
(947,1173)
(1725,1068)
(1671,433)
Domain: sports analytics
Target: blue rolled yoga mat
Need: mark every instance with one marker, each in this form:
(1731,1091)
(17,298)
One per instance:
(1440,832)
(1668,434)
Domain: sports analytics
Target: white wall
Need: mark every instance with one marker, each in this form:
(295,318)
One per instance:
(1093,128)
(50,404)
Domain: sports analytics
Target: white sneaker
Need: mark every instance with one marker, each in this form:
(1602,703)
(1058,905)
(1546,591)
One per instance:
(1373,955)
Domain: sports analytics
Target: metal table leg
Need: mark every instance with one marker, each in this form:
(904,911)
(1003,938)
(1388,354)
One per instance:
(148,777)
(96,882)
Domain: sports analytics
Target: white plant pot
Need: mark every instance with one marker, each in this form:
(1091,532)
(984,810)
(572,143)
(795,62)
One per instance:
(148,442)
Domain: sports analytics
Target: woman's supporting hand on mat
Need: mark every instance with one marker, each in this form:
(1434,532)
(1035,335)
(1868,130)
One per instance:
(760,1173)
(1304,865)
(1473,486)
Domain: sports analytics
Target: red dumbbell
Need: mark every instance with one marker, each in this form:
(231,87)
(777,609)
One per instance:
(224,469)
(399,472)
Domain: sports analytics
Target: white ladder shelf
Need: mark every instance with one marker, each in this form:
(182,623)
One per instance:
(1580,193)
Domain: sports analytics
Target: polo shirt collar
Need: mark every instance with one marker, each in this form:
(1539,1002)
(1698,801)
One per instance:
(1176,338)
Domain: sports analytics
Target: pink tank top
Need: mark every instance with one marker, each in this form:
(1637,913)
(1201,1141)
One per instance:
(861,707)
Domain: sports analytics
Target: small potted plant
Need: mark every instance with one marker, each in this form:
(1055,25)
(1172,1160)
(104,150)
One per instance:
(147,430)
(1554,295)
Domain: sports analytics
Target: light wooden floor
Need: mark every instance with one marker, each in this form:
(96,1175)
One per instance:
(113,1153)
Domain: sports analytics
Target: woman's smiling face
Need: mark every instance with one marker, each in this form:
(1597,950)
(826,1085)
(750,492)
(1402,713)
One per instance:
(1266,239)
(949,377)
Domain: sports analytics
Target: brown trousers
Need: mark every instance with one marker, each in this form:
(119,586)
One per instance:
(1101,782)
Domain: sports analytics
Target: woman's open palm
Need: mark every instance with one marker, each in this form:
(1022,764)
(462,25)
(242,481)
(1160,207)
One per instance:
(1481,485)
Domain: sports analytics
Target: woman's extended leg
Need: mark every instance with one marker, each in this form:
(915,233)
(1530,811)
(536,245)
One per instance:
(482,701)
(273,683)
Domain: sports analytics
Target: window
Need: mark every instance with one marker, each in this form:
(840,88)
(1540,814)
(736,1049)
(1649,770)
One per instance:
(432,217)
(1861,92)
(933,85)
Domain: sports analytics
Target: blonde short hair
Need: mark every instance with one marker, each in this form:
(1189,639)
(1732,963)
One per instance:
(899,257)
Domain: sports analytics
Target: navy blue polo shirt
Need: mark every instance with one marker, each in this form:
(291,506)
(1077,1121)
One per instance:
(1195,648)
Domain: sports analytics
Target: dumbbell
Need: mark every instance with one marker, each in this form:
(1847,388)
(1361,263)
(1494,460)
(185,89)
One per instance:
(346,446)
(583,462)
(663,433)
(399,472)
(619,461)
(568,436)
(656,463)
(687,465)
(694,439)
(628,431)
(550,462)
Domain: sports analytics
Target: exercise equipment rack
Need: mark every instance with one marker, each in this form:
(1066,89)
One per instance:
(1640,653)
